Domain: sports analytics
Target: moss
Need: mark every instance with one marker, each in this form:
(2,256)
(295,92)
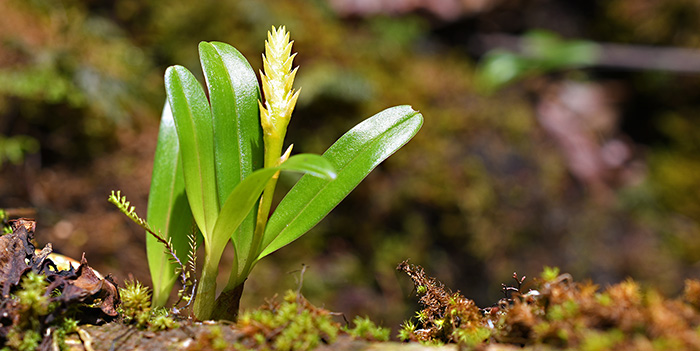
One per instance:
(292,324)
(559,313)
(602,340)
(550,273)
(67,327)
(446,316)
(22,341)
(32,296)
(6,229)
(211,339)
(366,329)
(136,308)
(471,336)
(31,305)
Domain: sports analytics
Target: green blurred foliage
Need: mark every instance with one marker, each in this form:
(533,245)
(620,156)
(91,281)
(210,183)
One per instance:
(543,52)
(13,149)
(69,74)
(482,190)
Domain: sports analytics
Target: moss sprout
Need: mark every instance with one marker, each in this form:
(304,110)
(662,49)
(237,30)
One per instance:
(446,316)
(550,273)
(366,329)
(290,324)
(294,324)
(22,341)
(32,296)
(136,308)
(136,303)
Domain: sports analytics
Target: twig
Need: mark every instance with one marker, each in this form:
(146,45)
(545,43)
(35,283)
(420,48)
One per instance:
(671,59)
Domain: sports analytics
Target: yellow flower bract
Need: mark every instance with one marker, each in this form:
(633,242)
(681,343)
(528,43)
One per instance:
(277,80)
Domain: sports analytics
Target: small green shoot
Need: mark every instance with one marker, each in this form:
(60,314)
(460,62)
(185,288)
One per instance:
(136,308)
(366,329)
(550,273)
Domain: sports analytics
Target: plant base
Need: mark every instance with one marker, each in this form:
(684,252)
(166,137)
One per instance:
(228,303)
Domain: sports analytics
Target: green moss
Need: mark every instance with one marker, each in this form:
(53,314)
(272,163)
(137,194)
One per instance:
(550,273)
(295,324)
(22,341)
(407,331)
(604,299)
(136,308)
(366,329)
(602,341)
(471,336)
(6,229)
(212,339)
(557,313)
(32,296)
(565,310)
(32,304)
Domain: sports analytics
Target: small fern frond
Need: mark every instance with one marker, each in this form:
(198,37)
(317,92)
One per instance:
(192,255)
(130,211)
(188,276)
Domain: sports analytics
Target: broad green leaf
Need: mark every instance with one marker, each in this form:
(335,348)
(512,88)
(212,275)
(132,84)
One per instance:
(168,210)
(354,155)
(196,136)
(233,94)
(244,197)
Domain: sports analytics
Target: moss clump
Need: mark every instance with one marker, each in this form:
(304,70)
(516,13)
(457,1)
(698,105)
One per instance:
(136,308)
(292,324)
(30,305)
(558,313)
(447,317)
(367,330)
(211,339)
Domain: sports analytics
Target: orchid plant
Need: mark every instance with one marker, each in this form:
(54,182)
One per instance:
(218,160)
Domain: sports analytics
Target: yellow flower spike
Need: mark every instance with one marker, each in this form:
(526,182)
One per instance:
(277,81)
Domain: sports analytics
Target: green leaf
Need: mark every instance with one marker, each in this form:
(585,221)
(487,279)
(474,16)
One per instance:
(168,210)
(233,94)
(499,68)
(195,133)
(354,155)
(244,197)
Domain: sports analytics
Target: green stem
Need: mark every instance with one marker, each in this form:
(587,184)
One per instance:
(205,299)
(263,215)
(273,152)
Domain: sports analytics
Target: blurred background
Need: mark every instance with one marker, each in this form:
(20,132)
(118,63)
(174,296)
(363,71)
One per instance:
(556,134)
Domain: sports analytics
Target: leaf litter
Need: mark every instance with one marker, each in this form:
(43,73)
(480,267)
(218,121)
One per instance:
(38,296)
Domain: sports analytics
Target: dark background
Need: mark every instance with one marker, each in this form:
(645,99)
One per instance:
(592,169)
